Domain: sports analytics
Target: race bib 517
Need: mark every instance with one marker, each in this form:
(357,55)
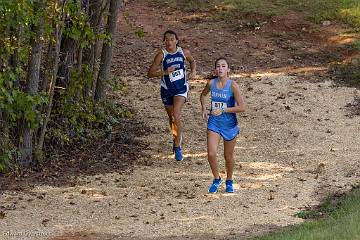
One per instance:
(218,105)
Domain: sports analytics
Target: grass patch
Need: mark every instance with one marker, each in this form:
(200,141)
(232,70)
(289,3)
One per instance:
(189,5)
(342,221)
(265,8)
(347,74)
(329,205)
(354,46)
(347,11)
(308,214)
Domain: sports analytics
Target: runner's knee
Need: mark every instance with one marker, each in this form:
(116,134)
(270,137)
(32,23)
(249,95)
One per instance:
(229,157)
(211,153)
(177,116)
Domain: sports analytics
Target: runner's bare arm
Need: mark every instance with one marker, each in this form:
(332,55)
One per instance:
(240,104)
(154,70)
(203,95)
(192,62)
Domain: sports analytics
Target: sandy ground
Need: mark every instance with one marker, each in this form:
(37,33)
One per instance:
(297,144)
(290,128)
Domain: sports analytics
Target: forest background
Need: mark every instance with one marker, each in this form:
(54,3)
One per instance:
(57,87)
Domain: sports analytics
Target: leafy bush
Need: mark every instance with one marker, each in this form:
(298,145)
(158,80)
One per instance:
(84,120)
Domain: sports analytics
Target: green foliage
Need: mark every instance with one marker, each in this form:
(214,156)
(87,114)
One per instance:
(7,156)
(77,117)
(307,214)
(351,15)
(329,205)
(75,114)
(15,14)
(83,120)
(103,36)
(347,11)
(140,33)
(138,30)
(16,104)
(266,8)
(326,208)
(4,162)
(78,28)
(354,46)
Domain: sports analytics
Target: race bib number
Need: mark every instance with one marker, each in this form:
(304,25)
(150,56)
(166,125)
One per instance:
(218,105)
(176,75)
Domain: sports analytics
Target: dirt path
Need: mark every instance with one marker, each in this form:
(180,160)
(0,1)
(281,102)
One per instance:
(296,145)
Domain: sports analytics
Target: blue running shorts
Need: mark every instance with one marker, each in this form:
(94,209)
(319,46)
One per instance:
(226,134)
(168,99)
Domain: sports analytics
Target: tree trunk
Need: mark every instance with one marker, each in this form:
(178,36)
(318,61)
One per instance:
(67,58)
(14,62)
(44,86)
(26,147)
(96,10)
(106,54)
(4,133)
(15,33)
(98,45)
(59,29)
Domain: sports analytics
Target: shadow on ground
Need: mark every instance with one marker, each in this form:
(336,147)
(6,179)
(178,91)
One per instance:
(118,152)
(233,235)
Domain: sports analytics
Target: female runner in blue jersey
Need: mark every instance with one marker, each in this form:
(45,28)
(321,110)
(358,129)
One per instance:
(169,65)
(226,101)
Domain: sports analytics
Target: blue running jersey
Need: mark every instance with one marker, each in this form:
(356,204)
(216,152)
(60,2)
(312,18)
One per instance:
(225,124)
(175,83)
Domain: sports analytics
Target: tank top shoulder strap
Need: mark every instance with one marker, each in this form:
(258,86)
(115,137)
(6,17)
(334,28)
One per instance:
(213,84)
(180,50)
(228,85)
(164,51)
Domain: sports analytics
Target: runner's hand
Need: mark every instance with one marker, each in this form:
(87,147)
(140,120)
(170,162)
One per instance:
(191,75)
(216,112)
(205,114)
(169,70)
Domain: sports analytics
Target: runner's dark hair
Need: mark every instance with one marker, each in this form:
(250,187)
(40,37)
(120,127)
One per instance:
(221,58)
(172,33)
(212,76)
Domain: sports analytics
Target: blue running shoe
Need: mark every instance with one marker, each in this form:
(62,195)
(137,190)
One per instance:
(229,186)
(173,147)
(215,185)
(178,154)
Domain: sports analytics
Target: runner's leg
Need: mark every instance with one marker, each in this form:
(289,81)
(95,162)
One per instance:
(178,104)
(170,113)
(229,157)
(213,139)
